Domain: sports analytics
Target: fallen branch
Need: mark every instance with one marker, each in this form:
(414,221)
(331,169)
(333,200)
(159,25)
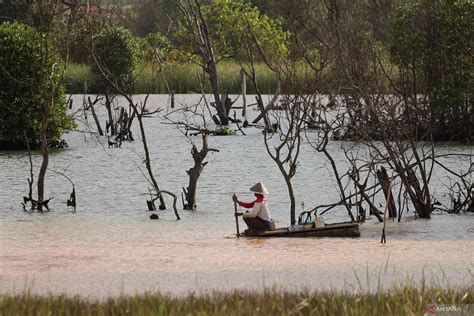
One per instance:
(159,194)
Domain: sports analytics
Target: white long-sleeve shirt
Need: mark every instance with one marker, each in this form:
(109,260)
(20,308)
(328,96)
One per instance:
(259,209)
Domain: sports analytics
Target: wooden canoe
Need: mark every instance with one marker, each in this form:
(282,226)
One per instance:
(346,229)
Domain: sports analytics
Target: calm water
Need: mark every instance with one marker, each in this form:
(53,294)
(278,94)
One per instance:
(110,246)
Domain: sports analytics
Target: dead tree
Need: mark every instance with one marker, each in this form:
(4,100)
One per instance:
(151,204)
(123,124)
(461,187)
(121,128)
(355,175)
(243,91)
(72,196)
(90,106)
(29,198)
(46,14)
(247,57)
(193,122)
(385,182)
(320,143)
(110,124)
(284,145)
(141,112)
(377,114)
(198,36)
(195,172)
(400,149)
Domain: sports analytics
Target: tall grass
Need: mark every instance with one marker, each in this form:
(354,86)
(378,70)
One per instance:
(403,300)
(185,78)
(178,77)
(79,78)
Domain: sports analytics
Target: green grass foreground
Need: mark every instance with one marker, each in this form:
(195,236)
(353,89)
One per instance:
(404,300)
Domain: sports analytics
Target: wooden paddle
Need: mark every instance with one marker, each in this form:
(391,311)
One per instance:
(234,198)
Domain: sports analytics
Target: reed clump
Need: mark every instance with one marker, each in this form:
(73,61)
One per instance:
(401,300)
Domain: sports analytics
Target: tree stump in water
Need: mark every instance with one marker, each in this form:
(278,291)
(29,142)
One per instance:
(384,180)
(195,172)
(151,205)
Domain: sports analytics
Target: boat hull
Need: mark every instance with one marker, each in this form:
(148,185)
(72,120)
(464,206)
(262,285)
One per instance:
(347,229)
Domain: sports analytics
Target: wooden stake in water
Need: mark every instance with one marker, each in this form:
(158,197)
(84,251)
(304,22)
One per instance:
(243,88)
(389,197)
(234,197)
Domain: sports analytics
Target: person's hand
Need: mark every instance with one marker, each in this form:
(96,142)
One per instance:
(238,214)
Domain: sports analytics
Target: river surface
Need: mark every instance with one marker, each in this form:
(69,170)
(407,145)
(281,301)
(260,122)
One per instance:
(109,246)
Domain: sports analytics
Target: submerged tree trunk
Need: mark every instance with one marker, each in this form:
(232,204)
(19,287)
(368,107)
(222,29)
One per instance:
(270,105)
(338,180)
(384,181)
(45,155)
(94,115)
(108,105)
(129,127)
(195,172)
(220,108)
(243,87)
(418,193)
(292,201)
(147,161)
(291,192)
(30,179)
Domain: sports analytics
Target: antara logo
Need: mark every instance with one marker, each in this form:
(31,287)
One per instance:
(431,309)
(434,308)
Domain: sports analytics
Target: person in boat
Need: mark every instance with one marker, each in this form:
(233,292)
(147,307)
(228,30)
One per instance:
(257,219)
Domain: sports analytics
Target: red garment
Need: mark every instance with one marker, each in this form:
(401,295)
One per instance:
(259,199)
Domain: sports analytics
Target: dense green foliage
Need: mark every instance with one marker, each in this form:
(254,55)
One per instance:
(241,31)
(30,79)
(432,44)
(406,300)
(114,55)
(14,10)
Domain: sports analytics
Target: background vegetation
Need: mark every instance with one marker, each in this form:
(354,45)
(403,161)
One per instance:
(424,47)
(27,76)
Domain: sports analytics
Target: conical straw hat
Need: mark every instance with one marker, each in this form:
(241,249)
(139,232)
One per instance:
(259,188)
